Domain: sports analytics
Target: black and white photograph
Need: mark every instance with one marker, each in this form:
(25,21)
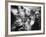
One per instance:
(24,18)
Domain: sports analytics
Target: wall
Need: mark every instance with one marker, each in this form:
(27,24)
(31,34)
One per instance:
(2,18)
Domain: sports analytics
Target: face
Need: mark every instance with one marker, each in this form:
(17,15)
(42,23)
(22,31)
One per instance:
(37,14)
(15,11)
(28,12)
(22,14)
(19,21)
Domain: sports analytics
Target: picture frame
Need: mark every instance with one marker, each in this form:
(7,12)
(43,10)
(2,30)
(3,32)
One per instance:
(34,7)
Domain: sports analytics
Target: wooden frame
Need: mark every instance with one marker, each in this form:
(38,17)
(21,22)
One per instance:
(43,16)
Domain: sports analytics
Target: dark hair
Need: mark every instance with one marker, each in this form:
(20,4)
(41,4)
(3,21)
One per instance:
(32,12)
(21,7)
(14,7)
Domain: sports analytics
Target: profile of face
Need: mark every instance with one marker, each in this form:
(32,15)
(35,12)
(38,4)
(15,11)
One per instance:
(14,11)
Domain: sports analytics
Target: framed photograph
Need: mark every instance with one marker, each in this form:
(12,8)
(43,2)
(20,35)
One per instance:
(25,18)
